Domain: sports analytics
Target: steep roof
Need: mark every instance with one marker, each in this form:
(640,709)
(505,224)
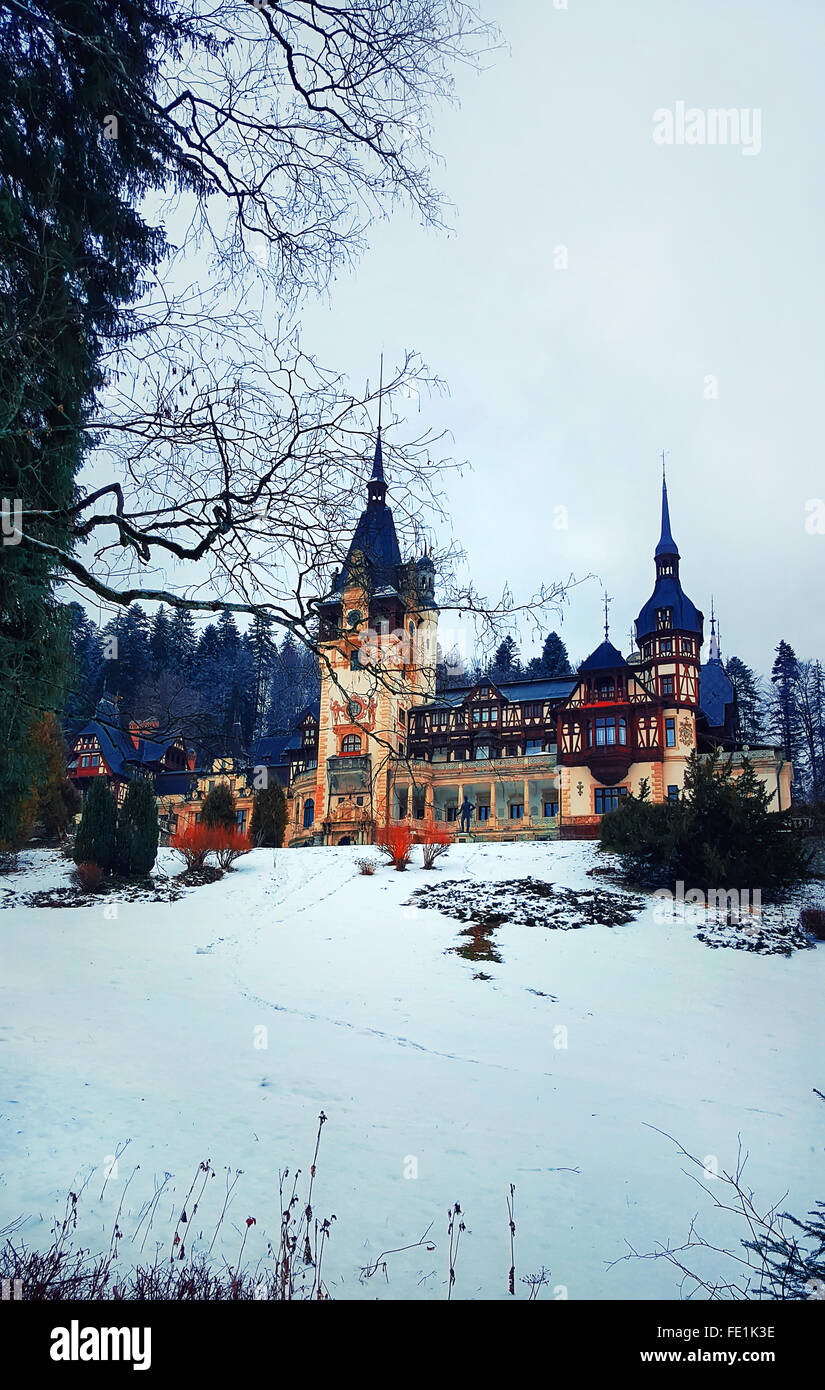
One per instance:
(666,545)
(541,688)
(715,692)
(667,591)
(605,658)
(375,536)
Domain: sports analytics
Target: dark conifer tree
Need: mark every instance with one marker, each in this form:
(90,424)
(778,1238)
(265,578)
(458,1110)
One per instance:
(219,808)
(160,643)
(554,658)
(269,813)
(136,841)
(784,714)
(183,642)
(506,663)
(95,839)
(72,247)
(749,702)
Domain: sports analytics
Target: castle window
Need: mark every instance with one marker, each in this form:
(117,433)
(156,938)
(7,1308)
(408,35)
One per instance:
(670,733)
(84,761)
(673,793)
(516,809)
(551,808)
(605,690)
(355,661)
(533,746)
(451,813)
(687,646)
(482,752)
(309,812)
(667,685)
(482,812)
(622,730)
(351,744)
(605,732)
(664,617)
(608,798)
(666,647)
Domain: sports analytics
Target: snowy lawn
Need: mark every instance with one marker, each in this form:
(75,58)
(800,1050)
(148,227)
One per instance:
(218,1026)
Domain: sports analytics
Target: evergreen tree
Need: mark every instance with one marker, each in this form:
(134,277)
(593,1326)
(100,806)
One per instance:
(721,833)
(160,643)
(219,808)
(784,719)
(183,642)
(506,663)
(554,658)
(269,814)
(749,702)
(95,839)
(52,801)
(86,670)
(136,841)
(72,246)
(810,699)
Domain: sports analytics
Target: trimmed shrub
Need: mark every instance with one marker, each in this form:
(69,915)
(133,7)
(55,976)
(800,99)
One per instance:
(365,866)
(136,841)
(219,807)
(812,920)
(269,815)
(95,839)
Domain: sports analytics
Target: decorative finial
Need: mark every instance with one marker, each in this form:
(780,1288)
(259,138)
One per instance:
(664,480)
(380,391)
(607,601)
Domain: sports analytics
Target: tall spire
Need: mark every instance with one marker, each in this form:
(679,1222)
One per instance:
(714,653)
(377,487)
(667,545)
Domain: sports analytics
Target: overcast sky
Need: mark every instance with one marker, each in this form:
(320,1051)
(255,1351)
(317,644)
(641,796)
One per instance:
(685,263)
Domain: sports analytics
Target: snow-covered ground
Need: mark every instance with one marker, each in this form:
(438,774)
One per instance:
(218,1026)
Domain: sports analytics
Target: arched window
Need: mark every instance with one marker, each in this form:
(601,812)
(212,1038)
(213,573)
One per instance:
(351,744)
(309,812)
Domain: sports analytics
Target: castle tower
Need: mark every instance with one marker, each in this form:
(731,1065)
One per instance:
(378,634)
(669,635)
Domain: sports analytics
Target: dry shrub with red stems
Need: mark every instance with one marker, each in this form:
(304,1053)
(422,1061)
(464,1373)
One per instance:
(232,844)
(197,841)
(435,840)
(89,875)
(194,843)
(396,841)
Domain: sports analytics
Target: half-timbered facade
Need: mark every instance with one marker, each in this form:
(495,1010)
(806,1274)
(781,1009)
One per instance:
(533,758)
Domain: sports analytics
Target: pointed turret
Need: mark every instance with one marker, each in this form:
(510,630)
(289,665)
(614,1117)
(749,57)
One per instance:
(714,653)
(668,605)
(377,486)
(667,545)
(374,540)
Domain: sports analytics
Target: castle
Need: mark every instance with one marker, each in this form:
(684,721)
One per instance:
(535,758)
(526,759)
